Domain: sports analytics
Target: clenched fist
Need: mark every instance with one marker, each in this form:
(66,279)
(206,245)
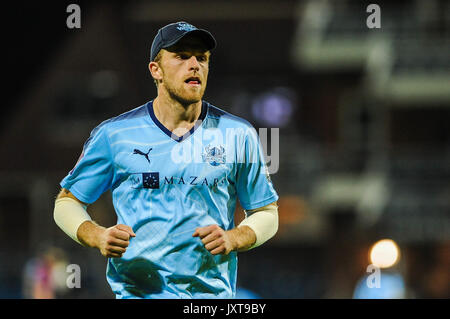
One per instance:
(215,239)
(113,241)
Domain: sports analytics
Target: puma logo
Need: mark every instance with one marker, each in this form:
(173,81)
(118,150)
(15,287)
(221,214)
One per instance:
(139,152)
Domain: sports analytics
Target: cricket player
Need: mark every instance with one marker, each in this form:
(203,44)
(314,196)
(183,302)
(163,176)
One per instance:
(175,166)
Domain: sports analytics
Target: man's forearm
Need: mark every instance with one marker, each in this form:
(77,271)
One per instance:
(89,232)
(263,222)
(69,214)
(242,237)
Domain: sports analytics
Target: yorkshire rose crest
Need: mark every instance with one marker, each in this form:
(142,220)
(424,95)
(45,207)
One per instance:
(214,155)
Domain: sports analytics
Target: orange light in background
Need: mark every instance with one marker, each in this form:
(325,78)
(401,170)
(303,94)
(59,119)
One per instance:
(384,253)
(292,209)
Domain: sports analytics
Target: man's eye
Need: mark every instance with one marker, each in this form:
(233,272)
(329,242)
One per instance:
(183,56)
(201,58)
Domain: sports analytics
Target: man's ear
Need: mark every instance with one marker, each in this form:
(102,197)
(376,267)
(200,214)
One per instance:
(155,70)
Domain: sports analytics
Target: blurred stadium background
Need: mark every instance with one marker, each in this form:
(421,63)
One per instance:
(364,118)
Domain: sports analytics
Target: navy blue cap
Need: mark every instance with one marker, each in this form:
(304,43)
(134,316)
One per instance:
(172,33)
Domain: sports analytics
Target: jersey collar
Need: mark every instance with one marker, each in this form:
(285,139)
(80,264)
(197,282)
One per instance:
(168,132)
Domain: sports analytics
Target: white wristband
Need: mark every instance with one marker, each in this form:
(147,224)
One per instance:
(69,215)
(264,222)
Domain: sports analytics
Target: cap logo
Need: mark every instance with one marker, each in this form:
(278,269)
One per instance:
(185,27)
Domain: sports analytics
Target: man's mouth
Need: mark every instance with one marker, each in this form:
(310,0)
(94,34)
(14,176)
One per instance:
(193,80)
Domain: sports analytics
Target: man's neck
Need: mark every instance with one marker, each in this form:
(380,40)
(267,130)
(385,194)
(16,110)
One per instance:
(176,117)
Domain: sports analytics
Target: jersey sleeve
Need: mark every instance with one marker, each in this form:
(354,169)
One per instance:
(93,173)
(254,186)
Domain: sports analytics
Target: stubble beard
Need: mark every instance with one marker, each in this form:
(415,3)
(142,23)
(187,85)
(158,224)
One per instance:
(181,95)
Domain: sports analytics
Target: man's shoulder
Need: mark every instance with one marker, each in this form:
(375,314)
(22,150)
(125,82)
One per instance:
(136,113)
(123,119)
(230,120)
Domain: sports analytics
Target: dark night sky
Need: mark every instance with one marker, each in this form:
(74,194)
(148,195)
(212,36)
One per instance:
(32,30)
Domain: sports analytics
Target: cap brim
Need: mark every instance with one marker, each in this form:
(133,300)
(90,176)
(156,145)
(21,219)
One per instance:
(204,35)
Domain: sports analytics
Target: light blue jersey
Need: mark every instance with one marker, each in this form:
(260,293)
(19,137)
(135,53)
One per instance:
(164,187)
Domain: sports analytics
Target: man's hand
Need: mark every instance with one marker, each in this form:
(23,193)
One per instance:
(215,239)
(218,241)
(112,241)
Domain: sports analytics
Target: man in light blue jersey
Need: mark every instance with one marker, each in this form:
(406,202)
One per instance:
(175,166)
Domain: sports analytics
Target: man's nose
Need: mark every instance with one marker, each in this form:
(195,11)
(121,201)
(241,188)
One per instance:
(193,63)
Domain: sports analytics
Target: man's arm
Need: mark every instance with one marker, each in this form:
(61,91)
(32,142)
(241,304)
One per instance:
(71,216)
(251,232)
